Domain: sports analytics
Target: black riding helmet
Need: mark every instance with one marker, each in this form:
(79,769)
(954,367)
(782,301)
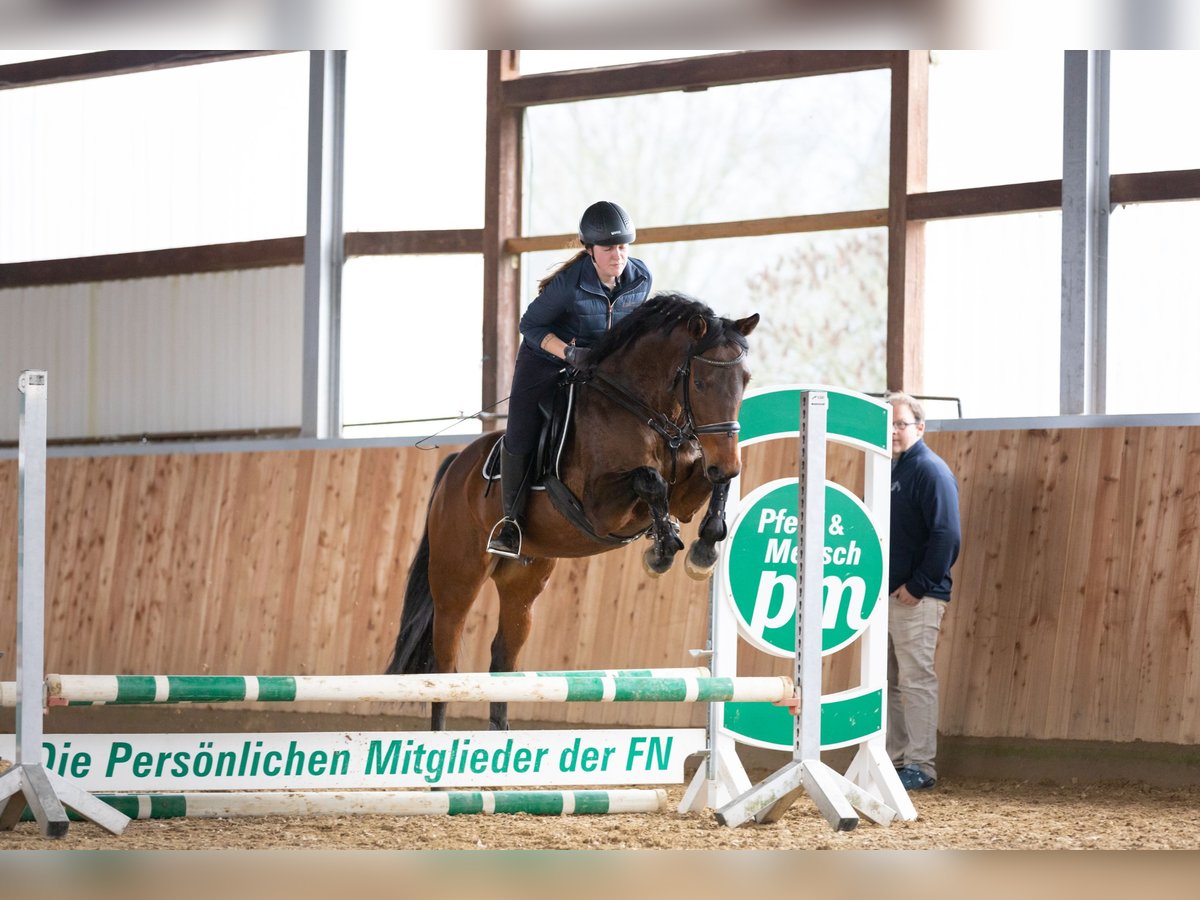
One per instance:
(606,223)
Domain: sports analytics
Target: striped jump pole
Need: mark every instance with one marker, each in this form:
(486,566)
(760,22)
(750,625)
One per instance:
(219,805)
(8,689)
(64,690)
(694,671)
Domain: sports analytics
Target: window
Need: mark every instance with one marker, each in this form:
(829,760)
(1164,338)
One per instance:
(193,155)
(993,313)
(537,62)
(1153,309)
(411,333)
(778,148)
(1149,95)
(822,298)
(994,118)
(415,132)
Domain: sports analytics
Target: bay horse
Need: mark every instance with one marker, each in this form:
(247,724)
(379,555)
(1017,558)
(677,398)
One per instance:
(654,435)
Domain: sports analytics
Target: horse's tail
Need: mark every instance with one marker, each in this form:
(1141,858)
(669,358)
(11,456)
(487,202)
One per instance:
(414,644)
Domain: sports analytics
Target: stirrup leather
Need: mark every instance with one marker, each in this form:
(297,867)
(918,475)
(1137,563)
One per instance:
(498,549)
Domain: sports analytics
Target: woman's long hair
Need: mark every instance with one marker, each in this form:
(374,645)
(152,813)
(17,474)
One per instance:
(570,262)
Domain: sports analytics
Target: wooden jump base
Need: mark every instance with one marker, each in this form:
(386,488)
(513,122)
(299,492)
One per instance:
(500,688)
(216,805)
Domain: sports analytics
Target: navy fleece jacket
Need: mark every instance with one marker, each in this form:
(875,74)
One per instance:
(925,526)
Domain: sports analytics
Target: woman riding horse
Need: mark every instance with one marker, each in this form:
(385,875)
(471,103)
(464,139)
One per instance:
(653,440)
(577,303)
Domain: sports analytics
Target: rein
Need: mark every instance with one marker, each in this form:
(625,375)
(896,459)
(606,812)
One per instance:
(674,434)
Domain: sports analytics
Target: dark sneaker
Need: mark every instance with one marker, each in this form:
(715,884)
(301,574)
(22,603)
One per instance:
(914,779)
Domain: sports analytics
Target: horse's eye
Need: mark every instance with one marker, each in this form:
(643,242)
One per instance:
(699,383)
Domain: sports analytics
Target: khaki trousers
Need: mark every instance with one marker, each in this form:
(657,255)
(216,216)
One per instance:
(912,683)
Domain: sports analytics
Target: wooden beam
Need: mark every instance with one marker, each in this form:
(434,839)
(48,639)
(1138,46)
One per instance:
(906,239)
(1034,196)
(1031,196)
(502,222)
(280,432)
(395,243)
(864,218)
(262,254)
(686,74)
(111,62)
(155,263)
(1149,187)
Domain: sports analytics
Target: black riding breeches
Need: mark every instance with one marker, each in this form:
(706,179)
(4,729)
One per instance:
(533,381)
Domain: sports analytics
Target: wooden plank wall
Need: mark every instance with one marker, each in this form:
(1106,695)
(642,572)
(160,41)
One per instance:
(1077,586)
(1074,595)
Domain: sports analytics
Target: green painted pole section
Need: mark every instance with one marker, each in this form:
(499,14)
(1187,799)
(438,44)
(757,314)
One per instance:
(454,803)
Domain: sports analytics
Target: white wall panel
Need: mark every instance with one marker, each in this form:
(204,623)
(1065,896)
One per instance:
(207,352)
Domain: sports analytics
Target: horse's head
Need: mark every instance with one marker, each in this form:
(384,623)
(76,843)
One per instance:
(713,379)
(688,366)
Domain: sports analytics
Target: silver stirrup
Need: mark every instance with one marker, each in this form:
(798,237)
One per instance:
(496,551)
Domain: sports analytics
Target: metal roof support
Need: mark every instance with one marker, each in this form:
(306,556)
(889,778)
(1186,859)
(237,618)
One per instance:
(321,414)
(1085,210)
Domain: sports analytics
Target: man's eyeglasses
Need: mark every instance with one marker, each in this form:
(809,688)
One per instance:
(902,425)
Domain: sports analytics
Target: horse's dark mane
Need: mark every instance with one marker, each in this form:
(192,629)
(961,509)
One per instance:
(665,312)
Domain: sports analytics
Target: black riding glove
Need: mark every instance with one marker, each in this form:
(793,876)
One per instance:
(576,357)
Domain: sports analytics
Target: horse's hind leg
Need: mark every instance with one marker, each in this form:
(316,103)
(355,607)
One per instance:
(649,485)
(518,586)
(455,583)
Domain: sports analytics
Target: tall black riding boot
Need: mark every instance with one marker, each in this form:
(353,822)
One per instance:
(505,539)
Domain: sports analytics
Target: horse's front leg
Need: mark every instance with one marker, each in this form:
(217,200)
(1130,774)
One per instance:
(650,487)
(702,555)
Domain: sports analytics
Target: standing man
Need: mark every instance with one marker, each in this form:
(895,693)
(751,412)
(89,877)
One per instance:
(924,545)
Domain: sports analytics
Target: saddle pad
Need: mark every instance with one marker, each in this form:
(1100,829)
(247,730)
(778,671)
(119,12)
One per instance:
(556,420)
(491,468)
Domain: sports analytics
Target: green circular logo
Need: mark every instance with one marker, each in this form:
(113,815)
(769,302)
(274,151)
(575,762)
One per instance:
(760,567)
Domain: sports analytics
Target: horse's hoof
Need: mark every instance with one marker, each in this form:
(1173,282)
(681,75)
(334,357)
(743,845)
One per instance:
(700,565)
(655,565)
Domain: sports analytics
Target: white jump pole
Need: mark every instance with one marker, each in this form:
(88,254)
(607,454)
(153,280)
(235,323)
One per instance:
(251,687)
(253,804)
(28,781)
(442,687)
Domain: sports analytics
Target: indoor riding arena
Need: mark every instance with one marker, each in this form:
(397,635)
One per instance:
(259,315)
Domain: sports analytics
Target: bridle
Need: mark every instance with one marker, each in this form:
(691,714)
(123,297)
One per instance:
(675,434)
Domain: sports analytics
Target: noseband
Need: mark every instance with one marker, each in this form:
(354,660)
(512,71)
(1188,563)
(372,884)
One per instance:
(676,434)
(729,429)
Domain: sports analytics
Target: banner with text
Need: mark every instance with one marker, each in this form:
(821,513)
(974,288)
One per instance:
(309,761)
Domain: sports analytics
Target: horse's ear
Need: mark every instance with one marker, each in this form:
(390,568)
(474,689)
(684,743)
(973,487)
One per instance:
(697,327)
(746,325)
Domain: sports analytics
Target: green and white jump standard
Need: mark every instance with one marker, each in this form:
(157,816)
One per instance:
(28,781)
(802,575)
